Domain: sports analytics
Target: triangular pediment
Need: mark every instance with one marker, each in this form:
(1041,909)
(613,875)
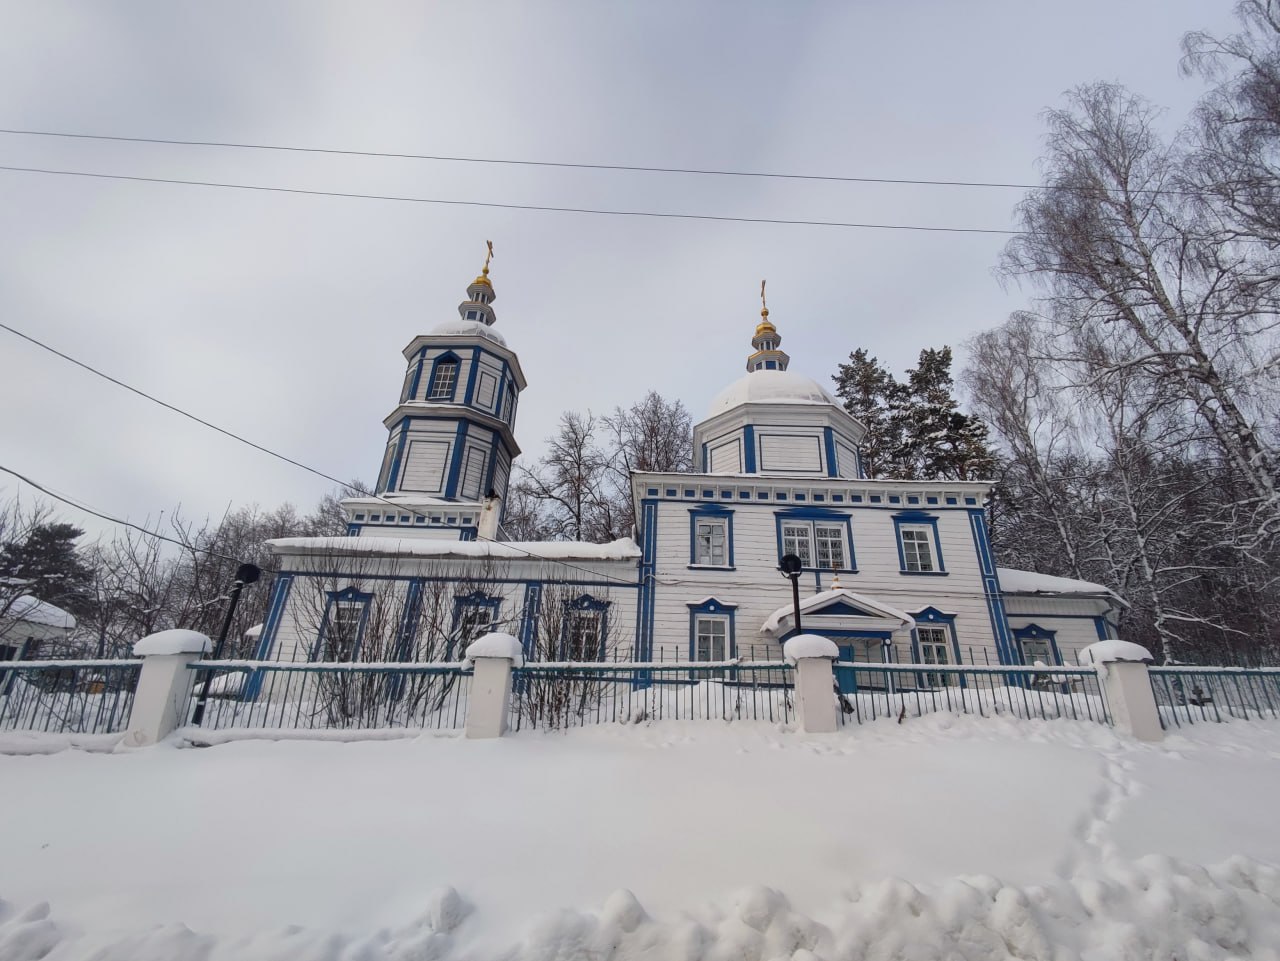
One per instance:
(841,609)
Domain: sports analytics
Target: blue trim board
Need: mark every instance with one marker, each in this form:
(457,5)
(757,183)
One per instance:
(711,512)
(916,519)
(749,449)
(270,627)
(455,461)
(417,375)
(529,615)
(829,444)
(991,588)
(393,475)
(469,397)
(645,597)
(1100,625)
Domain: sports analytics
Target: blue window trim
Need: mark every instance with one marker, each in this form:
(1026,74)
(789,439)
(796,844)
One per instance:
(825,516)
(1034,632)
(585,602)
(348,596)
(447,357)
(932,617)
(717,608)
(711,512)
(915,519)
(461,602)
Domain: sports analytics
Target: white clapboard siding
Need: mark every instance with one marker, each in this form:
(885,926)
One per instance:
(475,461)
(846,460)
(424,465)
(793,453)
(726,457)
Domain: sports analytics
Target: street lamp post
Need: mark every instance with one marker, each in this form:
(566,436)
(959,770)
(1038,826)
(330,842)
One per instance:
(245,574)
(790,567)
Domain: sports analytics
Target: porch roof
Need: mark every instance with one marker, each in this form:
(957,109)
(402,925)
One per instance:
(867,613)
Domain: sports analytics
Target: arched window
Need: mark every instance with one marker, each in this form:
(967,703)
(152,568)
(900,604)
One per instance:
(444,378)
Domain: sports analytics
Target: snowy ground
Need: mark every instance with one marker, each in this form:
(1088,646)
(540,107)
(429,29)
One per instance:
(939,838)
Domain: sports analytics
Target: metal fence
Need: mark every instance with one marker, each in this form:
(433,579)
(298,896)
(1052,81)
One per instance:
(1187,695)
(564,694)
(307,696)
(67,696)
(872,691)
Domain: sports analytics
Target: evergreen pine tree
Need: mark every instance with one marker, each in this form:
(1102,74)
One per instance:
(866,389)
(47,565)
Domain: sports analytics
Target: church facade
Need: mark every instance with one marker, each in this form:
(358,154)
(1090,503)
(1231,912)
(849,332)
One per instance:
(890,570)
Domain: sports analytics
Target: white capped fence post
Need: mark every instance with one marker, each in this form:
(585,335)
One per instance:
(492,656)
(815,681)
(1122,671)
(164,684)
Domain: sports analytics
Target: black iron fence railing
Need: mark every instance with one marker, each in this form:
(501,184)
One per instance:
(67,696)
(571,694)
(871,691)
(1187,695)
(308,696)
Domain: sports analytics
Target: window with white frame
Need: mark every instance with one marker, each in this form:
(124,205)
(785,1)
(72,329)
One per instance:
(917,548)
(818,544)
(935,648)
(443,380)
(1036,649)
(711,638)
(711,542)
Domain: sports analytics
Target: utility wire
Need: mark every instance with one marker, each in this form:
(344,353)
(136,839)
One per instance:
(539,207)
(266,450)
(635,168)
(123,523)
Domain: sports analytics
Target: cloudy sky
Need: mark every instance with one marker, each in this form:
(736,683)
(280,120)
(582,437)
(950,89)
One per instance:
(282,317)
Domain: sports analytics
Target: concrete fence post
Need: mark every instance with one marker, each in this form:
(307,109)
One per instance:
(492,656)
(815,681)
(164,684)
(1122,672)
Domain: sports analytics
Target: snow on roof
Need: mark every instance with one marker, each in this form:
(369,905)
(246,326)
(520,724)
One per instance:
(1029,582)
(823,598)
(468,328)
(624,549)
(35,611)
(770,387)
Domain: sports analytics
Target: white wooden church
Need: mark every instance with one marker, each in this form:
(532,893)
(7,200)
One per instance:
(892,570)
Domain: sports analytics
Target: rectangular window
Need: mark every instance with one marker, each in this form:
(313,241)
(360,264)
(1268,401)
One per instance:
(582,636)
(474,621)
(711,639)
(934,648)
(711,543)
(830,541)
(796,539)
(1036,649)
(917,548)
(342,633)
(443,381)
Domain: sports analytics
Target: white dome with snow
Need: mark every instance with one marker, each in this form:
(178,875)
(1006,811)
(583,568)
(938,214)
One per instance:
(469,328)
(770,387)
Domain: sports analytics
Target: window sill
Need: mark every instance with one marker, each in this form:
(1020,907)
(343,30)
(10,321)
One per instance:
(925,573)
(712,567)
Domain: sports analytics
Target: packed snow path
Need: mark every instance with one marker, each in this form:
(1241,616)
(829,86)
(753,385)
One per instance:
(941,837)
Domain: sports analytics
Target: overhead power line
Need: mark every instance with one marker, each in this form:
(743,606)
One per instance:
(265,450)
(80,506)
(633,168)
(501,206)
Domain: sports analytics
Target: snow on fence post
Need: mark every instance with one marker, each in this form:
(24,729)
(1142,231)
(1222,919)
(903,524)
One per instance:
(1122,671)
(815,704)
(164,684)
(492,657)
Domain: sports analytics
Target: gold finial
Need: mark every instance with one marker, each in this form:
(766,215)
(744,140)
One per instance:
(764,307)
(487,257)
